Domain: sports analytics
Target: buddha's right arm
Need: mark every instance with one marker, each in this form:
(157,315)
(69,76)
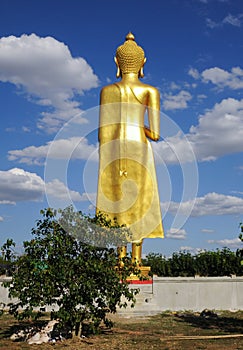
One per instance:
(153,132)
(150,134)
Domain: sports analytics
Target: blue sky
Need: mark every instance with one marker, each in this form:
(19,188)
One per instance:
(55,56)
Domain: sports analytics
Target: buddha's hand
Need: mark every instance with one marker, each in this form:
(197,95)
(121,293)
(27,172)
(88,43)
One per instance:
(150,134)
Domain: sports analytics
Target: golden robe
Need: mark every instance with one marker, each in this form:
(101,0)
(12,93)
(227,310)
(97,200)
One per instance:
(127,184)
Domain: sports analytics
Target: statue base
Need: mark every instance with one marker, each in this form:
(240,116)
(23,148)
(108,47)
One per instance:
(144,273)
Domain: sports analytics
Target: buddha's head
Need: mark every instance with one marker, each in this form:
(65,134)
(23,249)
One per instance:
(130,57)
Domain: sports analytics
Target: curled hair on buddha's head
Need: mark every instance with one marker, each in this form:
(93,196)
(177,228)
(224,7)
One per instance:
(130,57)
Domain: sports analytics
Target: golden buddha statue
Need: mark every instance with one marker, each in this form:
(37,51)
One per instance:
(127,184)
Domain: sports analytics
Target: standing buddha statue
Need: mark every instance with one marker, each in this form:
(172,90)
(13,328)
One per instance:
(127,183)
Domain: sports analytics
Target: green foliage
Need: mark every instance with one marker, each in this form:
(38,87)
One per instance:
(182,264)
(57,268)
(218,263)
(5,267)
(241,231)
(240,251)
(8,257)
(98,231)
(7,251)
(158,264)
(207,263)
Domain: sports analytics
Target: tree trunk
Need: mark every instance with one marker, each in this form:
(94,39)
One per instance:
(79,330)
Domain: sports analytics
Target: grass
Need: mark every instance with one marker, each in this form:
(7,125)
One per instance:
(167,331)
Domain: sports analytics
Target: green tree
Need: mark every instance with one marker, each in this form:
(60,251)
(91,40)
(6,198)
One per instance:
(58,268)
(222,262)
(182,264)
(7,258)
(241,231)
(158,263)
(240,251)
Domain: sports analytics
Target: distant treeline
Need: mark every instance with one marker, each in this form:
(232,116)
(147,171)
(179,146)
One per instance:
(5,267)
(222,262)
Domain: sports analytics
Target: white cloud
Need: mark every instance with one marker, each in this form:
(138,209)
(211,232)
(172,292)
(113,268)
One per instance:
(178,101)
(219,132)
(237,192)
(91,207)
(188,248)
(206,230)
(26,129)
(174,86)
(210,204)
(57,189)
(235,21)
(88,197)
(71,148)
(1,218)
(19,185)
(230,243)
(215,75)
(7,202)
(175,233)
(174,149)
(45,69)
(222,78)
(201,97)
(212,24)
(191,249)
(193,72)
(10,129)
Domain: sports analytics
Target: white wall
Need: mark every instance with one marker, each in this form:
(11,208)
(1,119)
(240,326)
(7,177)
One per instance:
(195,294)
(221,293)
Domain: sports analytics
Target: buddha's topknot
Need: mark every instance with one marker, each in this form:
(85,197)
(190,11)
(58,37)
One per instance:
(130,56)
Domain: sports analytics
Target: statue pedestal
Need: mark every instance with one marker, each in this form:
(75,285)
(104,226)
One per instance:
(144,273)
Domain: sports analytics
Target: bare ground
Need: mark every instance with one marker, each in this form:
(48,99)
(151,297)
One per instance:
(167,331)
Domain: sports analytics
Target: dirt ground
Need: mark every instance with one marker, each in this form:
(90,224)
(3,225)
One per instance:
(181,330)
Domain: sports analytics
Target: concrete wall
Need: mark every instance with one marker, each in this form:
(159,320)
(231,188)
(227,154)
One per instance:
(4,291)
(195,294)
(221,293)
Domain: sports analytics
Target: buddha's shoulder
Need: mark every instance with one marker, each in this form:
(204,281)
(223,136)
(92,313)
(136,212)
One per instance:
(140,89)
(148,87)
(145,88)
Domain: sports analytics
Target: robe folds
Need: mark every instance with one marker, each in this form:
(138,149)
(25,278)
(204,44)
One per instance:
(127,183)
